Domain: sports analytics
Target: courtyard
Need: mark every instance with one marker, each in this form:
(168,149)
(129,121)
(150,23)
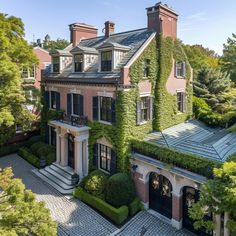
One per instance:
(76,218)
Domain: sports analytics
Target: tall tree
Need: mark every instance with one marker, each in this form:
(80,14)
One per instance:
(49,44)
(210,84)
(218,196)
(199,57)
(15,54)
(20,213)
(228,60)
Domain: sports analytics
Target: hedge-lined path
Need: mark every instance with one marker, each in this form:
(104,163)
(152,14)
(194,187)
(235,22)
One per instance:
(73,216)
(76,218)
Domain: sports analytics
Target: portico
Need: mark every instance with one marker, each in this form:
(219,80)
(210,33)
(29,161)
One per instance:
(72,146)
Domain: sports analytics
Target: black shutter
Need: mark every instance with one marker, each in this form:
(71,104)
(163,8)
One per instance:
(95,108)
(58,101)
(95,155)
(69,104)
(81,105)
(138,112)
(47,99)
(183,102)
(47,134)
(113,162)
(113,111)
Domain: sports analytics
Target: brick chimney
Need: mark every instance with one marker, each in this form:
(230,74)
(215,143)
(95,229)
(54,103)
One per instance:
(109,28)
(80,31)
(162,19)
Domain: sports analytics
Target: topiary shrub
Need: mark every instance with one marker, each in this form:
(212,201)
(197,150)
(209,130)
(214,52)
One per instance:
(35,147)
(51,157)
(134,206)
(95,183)
(119,190)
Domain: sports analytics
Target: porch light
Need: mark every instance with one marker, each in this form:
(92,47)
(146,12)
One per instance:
(134,167)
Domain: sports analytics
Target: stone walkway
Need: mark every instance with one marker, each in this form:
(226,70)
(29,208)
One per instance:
(76,218)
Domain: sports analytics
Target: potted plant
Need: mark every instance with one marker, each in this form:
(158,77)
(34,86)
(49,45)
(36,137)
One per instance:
(42,162)
(74,179)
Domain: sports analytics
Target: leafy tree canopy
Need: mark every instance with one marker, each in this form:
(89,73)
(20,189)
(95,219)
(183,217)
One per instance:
(20,213)
(217,196)
(59,43)
(15,54)
(199,57)
(228,60)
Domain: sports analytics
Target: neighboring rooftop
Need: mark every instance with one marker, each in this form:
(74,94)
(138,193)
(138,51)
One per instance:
(196,138)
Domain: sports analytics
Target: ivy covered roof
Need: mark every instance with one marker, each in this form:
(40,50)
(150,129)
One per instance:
(196,138)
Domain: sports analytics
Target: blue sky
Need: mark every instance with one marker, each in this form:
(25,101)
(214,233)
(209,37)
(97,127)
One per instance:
(206,22)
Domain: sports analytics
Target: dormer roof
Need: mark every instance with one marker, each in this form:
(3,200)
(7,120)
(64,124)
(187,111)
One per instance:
(113,45)
(82,49)
(57,52)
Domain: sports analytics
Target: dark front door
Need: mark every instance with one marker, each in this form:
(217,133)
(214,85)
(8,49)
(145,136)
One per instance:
(191,196)
(71,151)
(160,197)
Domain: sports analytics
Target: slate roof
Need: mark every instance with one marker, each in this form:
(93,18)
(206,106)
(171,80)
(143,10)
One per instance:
(196,138)
(132,40)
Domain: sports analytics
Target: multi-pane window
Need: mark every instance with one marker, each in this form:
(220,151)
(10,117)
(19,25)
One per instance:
(53,100)
(56,64)
(78,62)
(28,72)
(144,109)
(146,68)
(181,101)
(77,104)
(106,61)
(105,109)
(180,69)
(105,157)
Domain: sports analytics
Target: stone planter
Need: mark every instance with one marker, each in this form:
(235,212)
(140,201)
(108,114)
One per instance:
(74,179)
(42,163)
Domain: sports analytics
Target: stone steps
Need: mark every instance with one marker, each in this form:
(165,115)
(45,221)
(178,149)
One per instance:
(58,177)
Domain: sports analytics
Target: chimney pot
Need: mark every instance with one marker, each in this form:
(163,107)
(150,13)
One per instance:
(109,28)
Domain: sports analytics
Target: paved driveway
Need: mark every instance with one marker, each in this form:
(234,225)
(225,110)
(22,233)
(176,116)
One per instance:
(76,218)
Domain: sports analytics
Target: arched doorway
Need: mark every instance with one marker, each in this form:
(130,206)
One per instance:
(191,196)
(160,196)
(71,151)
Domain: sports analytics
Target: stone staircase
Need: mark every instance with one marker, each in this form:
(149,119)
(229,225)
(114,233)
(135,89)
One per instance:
(58,177)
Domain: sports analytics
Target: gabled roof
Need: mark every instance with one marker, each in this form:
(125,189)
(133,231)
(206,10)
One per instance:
(57,52)
(79,48)
(113,45)
(196,138)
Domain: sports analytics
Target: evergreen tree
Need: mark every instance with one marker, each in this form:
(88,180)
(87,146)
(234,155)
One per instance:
(210,84)
(228,60)
(20,213)
(15,54)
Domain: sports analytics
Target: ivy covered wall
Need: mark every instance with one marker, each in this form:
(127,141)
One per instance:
(160,52)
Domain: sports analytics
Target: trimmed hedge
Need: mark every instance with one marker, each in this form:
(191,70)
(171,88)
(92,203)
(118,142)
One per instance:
(119,190)
(134,207)
(28,156)
(194,163)
(117,215)
(5,150)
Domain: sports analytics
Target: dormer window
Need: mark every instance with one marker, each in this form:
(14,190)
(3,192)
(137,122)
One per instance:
(78,62)
(56,64)
(146,68)
(106,60)
(180,69)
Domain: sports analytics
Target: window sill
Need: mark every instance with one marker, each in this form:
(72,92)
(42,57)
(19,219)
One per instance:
(180,77)
(180,113)
(105,171)
(105,122)
(144,122)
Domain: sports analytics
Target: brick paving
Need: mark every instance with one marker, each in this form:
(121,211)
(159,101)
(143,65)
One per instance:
(146,224)
(76,218)
(73,216)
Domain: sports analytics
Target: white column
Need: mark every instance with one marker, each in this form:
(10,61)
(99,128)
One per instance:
(79,157)
(64,150)
(226,218)
(218,225)
(58,146)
